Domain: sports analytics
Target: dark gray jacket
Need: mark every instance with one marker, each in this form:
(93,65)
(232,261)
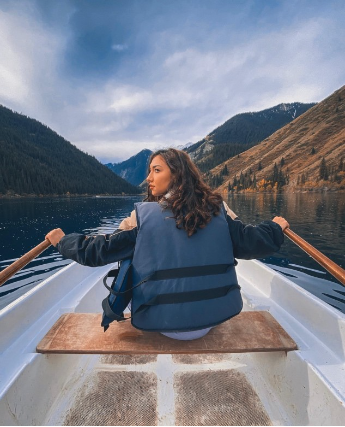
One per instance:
(249,242)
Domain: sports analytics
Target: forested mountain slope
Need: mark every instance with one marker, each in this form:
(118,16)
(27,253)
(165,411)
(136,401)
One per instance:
(36,160)
(306,154)
(133,170)
(241,132)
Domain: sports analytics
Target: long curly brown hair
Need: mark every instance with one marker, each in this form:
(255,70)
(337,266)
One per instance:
(191,200)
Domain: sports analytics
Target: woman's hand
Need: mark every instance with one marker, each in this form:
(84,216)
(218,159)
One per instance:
(282,222)
(55,236)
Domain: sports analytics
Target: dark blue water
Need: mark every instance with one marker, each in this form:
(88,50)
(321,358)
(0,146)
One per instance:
(318,218)
(25,222)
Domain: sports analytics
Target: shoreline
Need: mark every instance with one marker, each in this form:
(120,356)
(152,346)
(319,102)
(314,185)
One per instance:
(291,191)
(74,196)
(286,190)
(57,196)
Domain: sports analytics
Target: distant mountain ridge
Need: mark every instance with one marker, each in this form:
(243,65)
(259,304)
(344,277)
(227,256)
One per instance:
(134,169)
(241,132)
(231,138)
(36,160)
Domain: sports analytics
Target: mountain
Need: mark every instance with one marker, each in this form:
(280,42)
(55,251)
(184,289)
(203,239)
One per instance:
(185,146)
(306,154)
(242,132)
(36,160)
(133,170)
(231,138)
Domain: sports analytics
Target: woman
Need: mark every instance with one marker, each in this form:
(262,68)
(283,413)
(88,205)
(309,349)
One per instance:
(183,243)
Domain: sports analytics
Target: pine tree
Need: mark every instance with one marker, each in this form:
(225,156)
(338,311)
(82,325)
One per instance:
(275,177)
(281,179)
(323,171)
(242,180)
(225,171)
(2,184)
(254,181)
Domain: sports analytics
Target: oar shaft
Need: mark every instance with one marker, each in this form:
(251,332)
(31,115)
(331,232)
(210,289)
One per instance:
(12,269)
(329,265)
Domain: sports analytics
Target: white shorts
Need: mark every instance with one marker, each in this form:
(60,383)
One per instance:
(188,335)
(184,336)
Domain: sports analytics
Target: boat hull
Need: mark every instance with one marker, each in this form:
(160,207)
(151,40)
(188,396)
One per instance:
(303,387)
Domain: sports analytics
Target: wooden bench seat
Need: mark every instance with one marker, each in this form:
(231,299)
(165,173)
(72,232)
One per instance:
(250,331)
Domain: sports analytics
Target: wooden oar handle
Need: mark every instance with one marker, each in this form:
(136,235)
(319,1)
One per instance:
(12,269)
(329,265)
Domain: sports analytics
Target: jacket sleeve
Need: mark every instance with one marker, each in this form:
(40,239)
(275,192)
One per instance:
(95,251)
(251,242)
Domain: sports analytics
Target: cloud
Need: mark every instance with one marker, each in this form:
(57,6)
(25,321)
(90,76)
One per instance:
(119,47)
(163,84)
(29,67)
(131,99)
(16,68)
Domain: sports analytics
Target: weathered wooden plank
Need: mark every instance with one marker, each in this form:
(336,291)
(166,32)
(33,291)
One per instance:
(250,331)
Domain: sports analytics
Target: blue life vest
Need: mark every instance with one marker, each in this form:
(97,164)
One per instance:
(182,283)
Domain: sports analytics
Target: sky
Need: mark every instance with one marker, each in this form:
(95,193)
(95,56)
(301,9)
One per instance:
(116,76)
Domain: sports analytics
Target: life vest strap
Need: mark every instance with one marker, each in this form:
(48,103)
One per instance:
(200,270)
(177,273)
(190,296)
(109,312)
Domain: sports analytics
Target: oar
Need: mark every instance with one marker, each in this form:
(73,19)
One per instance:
(329,265)
(12,269)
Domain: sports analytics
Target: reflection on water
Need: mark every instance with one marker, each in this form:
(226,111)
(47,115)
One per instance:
(318,218)
(25,222)
(38,270)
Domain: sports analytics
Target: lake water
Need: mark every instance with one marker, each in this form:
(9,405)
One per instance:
(318,218)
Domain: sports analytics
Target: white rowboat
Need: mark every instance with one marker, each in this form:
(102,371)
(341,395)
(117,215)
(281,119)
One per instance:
(301,387)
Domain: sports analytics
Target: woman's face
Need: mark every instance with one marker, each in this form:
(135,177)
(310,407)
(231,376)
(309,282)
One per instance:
(159,177)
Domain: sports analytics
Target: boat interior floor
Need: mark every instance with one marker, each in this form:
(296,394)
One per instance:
(130,377)
(213,389)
